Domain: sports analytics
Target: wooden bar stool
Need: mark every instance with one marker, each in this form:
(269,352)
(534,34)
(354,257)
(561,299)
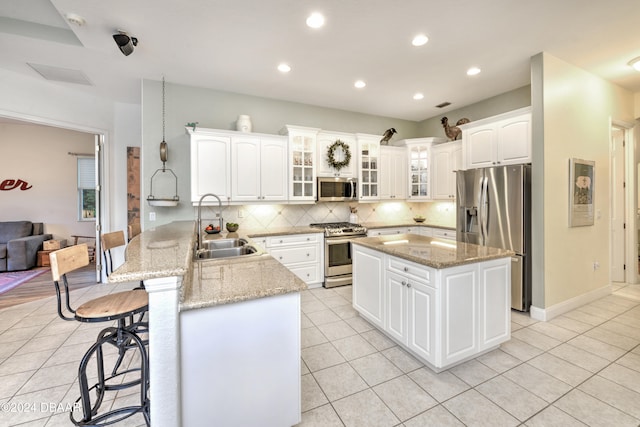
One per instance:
(113,240)
(118,307)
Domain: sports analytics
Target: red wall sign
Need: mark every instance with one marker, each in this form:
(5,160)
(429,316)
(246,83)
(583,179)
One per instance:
(11,184)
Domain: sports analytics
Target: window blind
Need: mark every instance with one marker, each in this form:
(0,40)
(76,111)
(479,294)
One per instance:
(86,172)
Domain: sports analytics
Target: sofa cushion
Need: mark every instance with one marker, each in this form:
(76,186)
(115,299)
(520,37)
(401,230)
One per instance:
(3,251)
(10,230)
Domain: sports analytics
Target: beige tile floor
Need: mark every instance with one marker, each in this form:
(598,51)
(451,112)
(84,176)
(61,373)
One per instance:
(582,368)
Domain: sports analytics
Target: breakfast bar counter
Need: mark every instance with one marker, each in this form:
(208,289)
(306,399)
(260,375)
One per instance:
(213,324)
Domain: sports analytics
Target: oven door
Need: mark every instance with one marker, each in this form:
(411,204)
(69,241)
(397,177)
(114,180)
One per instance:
(337,256)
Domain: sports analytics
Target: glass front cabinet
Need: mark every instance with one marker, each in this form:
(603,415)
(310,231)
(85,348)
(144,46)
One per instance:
(419,152)
(369,167)
(302,167)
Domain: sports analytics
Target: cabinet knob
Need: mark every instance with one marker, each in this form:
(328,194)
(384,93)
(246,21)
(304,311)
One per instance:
(307,254)
(404,283)
(280,257)
(308,238)
(408,285)
(406,269)
(280,241)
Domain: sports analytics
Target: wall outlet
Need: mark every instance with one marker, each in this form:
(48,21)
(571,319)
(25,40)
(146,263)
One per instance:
(152,216)
(240,213)
(596,265)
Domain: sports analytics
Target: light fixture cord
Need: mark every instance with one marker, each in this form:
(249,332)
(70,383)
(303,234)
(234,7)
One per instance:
(162,108)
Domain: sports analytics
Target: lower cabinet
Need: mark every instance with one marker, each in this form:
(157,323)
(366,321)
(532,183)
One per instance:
(442,316)
(302,254)
(368,296)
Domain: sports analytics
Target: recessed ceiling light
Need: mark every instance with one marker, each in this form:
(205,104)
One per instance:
(315,20)
(635,63)
(418,96)
(284,68)
(359,84)
(473,71)
(419,40)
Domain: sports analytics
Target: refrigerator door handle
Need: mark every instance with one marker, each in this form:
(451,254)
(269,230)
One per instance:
(483,210)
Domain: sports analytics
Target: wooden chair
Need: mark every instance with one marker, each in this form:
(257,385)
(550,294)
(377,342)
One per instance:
(110,241)
(133,230)
(119,307)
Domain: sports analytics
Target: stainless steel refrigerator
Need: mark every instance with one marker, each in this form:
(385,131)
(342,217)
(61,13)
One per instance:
(494,209)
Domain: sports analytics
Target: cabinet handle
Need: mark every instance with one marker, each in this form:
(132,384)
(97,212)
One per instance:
(406,269)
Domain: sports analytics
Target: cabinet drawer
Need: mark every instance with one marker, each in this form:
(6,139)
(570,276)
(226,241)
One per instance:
(308,273)
(294,239)
(444,234)
(296,255)
(386,231)
(409,269)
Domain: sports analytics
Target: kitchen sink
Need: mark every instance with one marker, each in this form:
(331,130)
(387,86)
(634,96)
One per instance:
(223,244)
(229,252)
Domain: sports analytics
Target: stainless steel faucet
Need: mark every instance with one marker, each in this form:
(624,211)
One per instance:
(200,216)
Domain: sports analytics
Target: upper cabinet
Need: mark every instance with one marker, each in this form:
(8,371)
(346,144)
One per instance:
(369,167)
(302,163)
(258,168)
(325,140)
(497,141)
(446,159)
(419,159)
(238,167)
(210,164)
(393,173)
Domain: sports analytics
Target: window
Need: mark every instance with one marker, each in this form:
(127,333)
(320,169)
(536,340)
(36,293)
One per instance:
(86,188)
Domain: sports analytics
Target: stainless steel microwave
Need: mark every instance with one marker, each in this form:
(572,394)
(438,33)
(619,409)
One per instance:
(337,189)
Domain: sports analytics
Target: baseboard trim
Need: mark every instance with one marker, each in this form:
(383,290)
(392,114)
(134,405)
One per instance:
(546,314)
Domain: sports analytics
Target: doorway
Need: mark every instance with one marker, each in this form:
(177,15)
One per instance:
(618,267)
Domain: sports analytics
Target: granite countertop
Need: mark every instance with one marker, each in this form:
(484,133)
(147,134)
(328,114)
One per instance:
(232,280)
(163,251)
(167,251)
(430,251)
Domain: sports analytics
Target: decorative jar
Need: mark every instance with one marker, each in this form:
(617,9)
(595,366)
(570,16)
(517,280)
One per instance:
(243,124)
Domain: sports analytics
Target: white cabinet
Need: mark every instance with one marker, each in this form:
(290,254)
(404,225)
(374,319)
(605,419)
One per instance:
(368,296)
(374,232)
(443,233)
(444,316)
(210,164)
(446,159)
(393,173)
(302,254)
(302,163)
(258,168)
(499,140)
(369,167)
(326,140)
(419,172)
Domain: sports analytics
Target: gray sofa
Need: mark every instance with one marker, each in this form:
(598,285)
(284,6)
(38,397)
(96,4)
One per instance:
(20,242)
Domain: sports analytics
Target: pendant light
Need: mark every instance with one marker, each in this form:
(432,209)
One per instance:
(164,155)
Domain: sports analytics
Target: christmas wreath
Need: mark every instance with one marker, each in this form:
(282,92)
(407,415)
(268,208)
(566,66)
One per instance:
(331,155)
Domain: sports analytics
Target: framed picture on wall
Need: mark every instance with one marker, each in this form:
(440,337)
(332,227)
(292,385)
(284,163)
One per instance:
(581,192)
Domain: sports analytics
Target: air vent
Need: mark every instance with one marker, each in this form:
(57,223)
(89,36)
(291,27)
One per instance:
(58,74)
(444,104)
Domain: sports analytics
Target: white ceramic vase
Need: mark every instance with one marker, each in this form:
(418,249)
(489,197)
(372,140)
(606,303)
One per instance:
(243,124)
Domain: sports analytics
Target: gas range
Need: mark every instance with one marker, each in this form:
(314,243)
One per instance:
(341,229)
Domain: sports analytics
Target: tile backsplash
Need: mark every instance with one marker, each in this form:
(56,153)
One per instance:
(277,216)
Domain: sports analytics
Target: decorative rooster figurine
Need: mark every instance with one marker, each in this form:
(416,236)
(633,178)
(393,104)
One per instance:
(453,132)
(387,136)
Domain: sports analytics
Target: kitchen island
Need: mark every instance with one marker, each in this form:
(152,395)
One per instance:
(445,302)
(224,334)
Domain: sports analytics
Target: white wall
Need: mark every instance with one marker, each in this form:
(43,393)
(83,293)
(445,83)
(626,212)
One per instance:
(39,155)
(219,110)
(62,105)
(573,121)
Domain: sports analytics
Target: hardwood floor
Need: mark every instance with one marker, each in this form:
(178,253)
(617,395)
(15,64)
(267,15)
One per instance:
(42,287)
